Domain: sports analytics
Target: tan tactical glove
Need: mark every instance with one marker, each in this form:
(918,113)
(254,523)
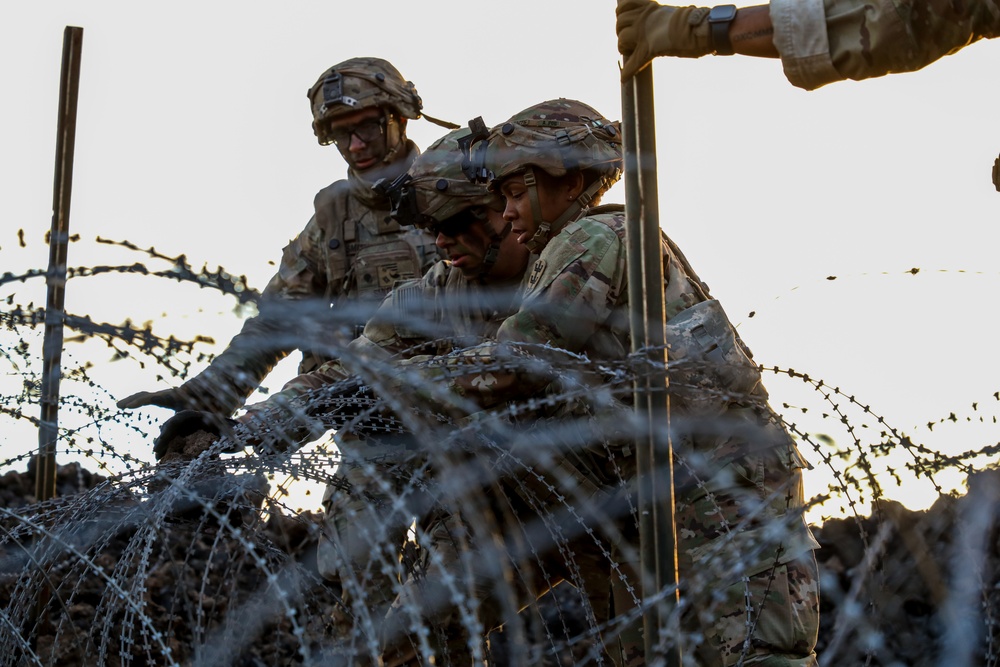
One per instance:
(647,29)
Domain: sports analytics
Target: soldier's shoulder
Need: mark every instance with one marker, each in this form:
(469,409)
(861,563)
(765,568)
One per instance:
(611,216)
(440,273)
(337,190)
(607,209)
(598,227)
(593,243)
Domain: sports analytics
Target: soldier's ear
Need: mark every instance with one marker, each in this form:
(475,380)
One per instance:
(574,185)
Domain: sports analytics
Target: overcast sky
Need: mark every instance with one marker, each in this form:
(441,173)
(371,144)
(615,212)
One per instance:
(194,137)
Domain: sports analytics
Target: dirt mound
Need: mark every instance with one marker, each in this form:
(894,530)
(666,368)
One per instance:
(227,575)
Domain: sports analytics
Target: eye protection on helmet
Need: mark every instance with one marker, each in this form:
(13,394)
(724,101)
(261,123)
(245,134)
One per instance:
(459,222)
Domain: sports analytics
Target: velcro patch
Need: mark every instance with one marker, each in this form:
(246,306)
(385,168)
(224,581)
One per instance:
(536,272)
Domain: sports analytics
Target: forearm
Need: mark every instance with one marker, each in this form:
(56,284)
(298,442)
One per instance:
(254,350)
(752,34)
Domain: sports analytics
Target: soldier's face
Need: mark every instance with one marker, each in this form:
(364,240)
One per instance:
(467,249)
(362,142)
(555,195)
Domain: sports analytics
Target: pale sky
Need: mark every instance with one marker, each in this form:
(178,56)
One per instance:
(194,137)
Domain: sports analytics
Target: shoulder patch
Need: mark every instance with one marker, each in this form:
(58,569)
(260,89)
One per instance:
(408,303)
(536,272)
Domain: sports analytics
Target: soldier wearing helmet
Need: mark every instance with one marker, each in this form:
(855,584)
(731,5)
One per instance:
(349,254)
(436,196)
(460,300)
(550,161)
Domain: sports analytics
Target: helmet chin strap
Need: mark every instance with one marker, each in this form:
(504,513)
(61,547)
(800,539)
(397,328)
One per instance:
(547,230)
(493,251)
(394,139)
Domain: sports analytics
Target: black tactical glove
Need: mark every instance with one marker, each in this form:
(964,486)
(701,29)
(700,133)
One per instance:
(185,423)
(210,391)
(171,399)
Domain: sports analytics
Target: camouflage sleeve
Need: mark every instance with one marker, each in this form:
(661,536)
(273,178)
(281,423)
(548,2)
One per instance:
(301,273)
(408,316)
(821,41)
(572,289)
(387,335)
(328,373)
(264,339)
(245,362)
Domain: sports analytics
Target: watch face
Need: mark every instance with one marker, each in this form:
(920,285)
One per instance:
(722,13)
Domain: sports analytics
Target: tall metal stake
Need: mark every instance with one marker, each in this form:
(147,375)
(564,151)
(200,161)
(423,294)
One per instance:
(657,530)
(48,429)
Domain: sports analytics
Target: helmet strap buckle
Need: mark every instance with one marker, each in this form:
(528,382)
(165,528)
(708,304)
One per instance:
(541,236)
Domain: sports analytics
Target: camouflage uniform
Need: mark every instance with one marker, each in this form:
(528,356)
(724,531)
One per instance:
(334,273)
(350,250)
(577,300)
(738,472)
(821,41)
(331,278)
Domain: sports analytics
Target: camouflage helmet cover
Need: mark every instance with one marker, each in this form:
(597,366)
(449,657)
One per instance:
(436,188)
(360,83)
(557,136)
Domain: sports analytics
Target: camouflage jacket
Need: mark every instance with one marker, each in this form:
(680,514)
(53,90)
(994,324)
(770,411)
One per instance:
(434,316)
(331,278)
(821,41)
(731,487)
(576,292)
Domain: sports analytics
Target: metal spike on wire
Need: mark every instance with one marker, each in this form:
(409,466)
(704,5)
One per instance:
(48,428)
(657,530)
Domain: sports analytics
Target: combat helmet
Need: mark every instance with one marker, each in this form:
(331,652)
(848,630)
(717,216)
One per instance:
(361,83)
(436,195)
(557,136)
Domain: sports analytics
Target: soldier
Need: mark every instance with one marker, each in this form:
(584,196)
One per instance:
(818,41)
(742,538)
(349,254)
(332,275)
(458,301)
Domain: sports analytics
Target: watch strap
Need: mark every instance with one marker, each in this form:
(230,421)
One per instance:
(719,19)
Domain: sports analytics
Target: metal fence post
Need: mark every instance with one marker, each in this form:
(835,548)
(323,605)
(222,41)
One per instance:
(657,532)
(55,280)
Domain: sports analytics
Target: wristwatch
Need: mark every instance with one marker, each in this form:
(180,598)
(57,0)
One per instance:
(719,20)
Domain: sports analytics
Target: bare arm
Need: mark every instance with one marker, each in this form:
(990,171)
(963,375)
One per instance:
(751,32)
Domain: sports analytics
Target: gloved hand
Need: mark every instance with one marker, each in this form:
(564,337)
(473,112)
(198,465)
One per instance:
(183,424)
(647,29)
(208,392)
(167,398)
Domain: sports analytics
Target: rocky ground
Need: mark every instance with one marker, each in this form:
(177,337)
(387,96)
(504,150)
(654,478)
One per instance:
(890,584)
